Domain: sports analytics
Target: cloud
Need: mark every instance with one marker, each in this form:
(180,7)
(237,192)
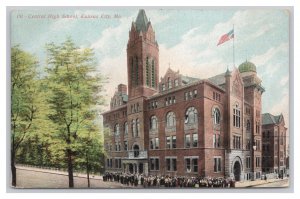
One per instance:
(282,106)
(262,59)
(284,80)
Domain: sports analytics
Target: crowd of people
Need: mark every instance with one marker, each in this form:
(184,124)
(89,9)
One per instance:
(136,180)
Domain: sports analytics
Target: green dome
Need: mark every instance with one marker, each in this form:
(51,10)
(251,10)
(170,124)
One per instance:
(247,67)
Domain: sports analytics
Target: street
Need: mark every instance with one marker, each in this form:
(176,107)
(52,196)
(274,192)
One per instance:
(28,177)
(38,178)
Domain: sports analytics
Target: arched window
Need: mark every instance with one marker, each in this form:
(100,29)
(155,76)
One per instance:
(191,116)
(133,128)
(132,72)
(117,130)
(153,73)
(147,72)
(171,120)
(126,128)
(217,116)
(169,83)
(153,123)
(137,127)
(137,71)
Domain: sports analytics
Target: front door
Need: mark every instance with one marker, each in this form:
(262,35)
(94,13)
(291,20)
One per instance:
(237,171)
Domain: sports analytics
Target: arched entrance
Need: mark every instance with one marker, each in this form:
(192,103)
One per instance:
(237,171)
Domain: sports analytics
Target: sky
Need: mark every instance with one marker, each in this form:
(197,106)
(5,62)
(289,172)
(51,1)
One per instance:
(187,41)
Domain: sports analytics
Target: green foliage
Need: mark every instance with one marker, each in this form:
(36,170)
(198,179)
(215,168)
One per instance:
(57,112)
(73,92)
(24,86)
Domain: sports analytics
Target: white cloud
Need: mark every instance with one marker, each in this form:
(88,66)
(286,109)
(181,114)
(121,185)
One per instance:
(282,106)
(262,59)
(284,80)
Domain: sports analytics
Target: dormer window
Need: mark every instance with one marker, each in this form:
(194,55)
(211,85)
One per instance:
(169,83)
(163,86)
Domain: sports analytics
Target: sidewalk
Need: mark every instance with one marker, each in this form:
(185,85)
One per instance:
(58,172)
(256,182)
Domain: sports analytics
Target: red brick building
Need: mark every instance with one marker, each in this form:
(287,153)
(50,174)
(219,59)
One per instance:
(274,149)
(179,125)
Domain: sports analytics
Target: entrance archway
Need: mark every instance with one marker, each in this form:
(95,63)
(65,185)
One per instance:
(237,171)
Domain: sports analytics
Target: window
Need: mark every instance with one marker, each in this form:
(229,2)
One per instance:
(257,144)
(186,96)
(136,71)
(174,141)
(195,165)
(171,142)
(248,127)
(195,139)
(117,130)
(188,165)
(153,73)
(171,164)
(133,128)
(248,162)
(168,142)
(217,116)
(125,145)
(236,117)
(163,87)
(156,143)
(137,127)
(217,164)
(153,123)
(248,144)
(216,140)
(236,142)
(154,164)
(257,128)
(118,163)
(187,141)
(152,143)
(191,116)
(147,72)
(171,121)
(257,162)
(132,72)
(191,165)
(195,93)
(169,83)
(176,82)
(190,95)
(126,128)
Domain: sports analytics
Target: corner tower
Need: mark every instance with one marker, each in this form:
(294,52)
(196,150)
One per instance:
(142,58)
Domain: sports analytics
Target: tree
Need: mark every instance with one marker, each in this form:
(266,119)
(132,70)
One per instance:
(23,100)
(74,88)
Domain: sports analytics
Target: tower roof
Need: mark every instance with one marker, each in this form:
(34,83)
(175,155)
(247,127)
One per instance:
(247,67)
(141,21)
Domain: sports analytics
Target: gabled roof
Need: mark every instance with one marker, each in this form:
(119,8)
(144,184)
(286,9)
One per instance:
(218,79)
(268,118)
(188,80)
(141,21)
